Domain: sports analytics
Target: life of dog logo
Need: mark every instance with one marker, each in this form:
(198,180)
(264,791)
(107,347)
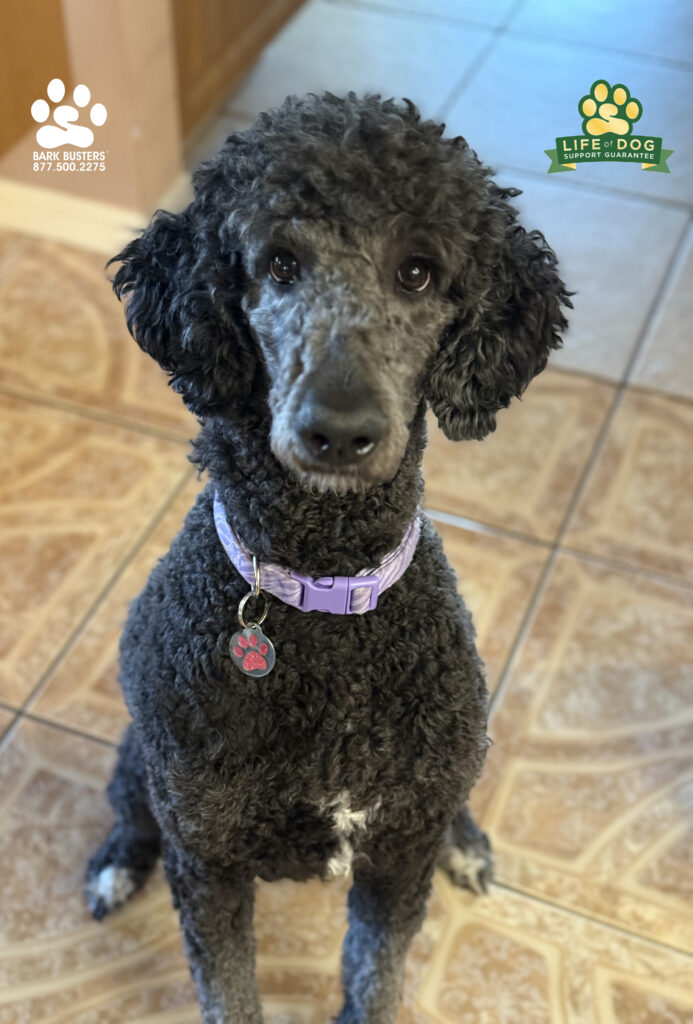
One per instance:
(64,132)
(608,115)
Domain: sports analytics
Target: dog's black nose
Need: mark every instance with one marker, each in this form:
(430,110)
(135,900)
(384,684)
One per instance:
(340,425)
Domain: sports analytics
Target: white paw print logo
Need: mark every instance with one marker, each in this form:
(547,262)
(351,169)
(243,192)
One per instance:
(64,132)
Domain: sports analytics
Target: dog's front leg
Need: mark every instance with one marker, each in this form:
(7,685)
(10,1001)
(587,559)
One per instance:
(386,909)
(216,915)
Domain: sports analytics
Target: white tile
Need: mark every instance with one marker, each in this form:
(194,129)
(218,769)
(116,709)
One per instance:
(527,92)
(666,362)
(662,29)
(340,48)
(613,253)
(491,12)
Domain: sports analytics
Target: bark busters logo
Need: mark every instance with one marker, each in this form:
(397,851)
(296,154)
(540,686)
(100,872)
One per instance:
(61,127)
(65,131)
(608,115)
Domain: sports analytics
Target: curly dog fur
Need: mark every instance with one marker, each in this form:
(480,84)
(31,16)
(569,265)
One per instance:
(360,748)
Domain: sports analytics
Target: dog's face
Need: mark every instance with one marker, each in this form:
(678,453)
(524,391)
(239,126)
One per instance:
(346,319)
(352,261)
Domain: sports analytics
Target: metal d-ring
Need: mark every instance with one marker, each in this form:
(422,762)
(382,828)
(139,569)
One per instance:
(255,592)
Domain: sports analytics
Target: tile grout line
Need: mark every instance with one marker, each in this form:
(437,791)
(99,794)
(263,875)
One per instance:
(122,566)
(653,60)
(520,33)
(540,588)
(497,32)
(613,191)
(90,413)
(414,15)
(28,716)
(479,526)
(584,916)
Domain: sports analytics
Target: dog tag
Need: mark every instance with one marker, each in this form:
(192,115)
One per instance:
(252,652)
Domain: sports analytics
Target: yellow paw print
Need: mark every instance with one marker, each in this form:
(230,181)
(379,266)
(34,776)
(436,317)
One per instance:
(608,109)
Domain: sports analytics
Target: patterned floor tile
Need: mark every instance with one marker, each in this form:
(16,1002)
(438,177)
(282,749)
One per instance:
(613,297)
(505,958)
(588,787)
(665,362)
(76,494)
(364,49)
(527,93)
(522,476)
(83,690)
(63,334)
(496,577)
(638,503)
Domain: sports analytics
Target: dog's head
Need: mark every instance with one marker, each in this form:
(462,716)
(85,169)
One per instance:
(352,261)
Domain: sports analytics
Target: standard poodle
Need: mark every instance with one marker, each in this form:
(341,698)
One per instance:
(305,692)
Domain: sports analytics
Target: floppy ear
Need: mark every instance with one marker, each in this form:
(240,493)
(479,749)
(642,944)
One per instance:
(183,308)
(509,299)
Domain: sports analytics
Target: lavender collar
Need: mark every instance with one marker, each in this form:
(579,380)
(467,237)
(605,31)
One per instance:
(340,595)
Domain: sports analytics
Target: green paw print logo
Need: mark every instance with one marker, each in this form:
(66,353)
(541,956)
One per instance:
(608,109)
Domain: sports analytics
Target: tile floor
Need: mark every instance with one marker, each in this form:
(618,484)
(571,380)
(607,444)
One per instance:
(569,529)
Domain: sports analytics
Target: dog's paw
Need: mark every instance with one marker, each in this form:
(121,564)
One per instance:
(466,854)
(107,890)
(118,870)
(608,109)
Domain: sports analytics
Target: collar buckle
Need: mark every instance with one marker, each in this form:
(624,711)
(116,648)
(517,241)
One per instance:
(333,593)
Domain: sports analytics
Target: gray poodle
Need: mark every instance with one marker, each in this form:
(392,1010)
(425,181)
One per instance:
(342,266)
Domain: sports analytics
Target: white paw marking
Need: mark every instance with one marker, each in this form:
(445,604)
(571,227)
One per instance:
(113,885)
(463,865)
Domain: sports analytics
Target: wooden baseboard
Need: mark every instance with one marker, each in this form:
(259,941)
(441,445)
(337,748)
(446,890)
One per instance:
(86,223)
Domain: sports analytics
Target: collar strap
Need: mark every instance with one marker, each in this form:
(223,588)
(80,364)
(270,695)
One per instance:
(340,595)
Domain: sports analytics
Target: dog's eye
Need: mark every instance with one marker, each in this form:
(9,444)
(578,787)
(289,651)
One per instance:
(414,275)
(284,267)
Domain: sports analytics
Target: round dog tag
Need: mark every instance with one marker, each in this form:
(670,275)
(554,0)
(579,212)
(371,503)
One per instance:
(252,651)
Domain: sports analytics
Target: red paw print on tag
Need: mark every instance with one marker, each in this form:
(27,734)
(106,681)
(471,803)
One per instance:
(252,651)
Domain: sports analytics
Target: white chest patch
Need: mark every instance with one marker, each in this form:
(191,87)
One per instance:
(349,825)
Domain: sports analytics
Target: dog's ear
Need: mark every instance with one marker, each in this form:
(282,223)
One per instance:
(183,308)
(509,299)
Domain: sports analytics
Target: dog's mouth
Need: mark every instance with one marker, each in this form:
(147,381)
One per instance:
(316,476)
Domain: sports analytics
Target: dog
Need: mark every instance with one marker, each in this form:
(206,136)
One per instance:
(305,692)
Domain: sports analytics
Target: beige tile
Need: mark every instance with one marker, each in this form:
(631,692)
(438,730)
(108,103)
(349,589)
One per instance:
(638,504)
(587,788)
(505,958)
(527,93)
(63,334)
(363,49)
(613,295)
(522,476)
(83,690)
(661,30)
(666,362)
(77,494)
(496,577)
